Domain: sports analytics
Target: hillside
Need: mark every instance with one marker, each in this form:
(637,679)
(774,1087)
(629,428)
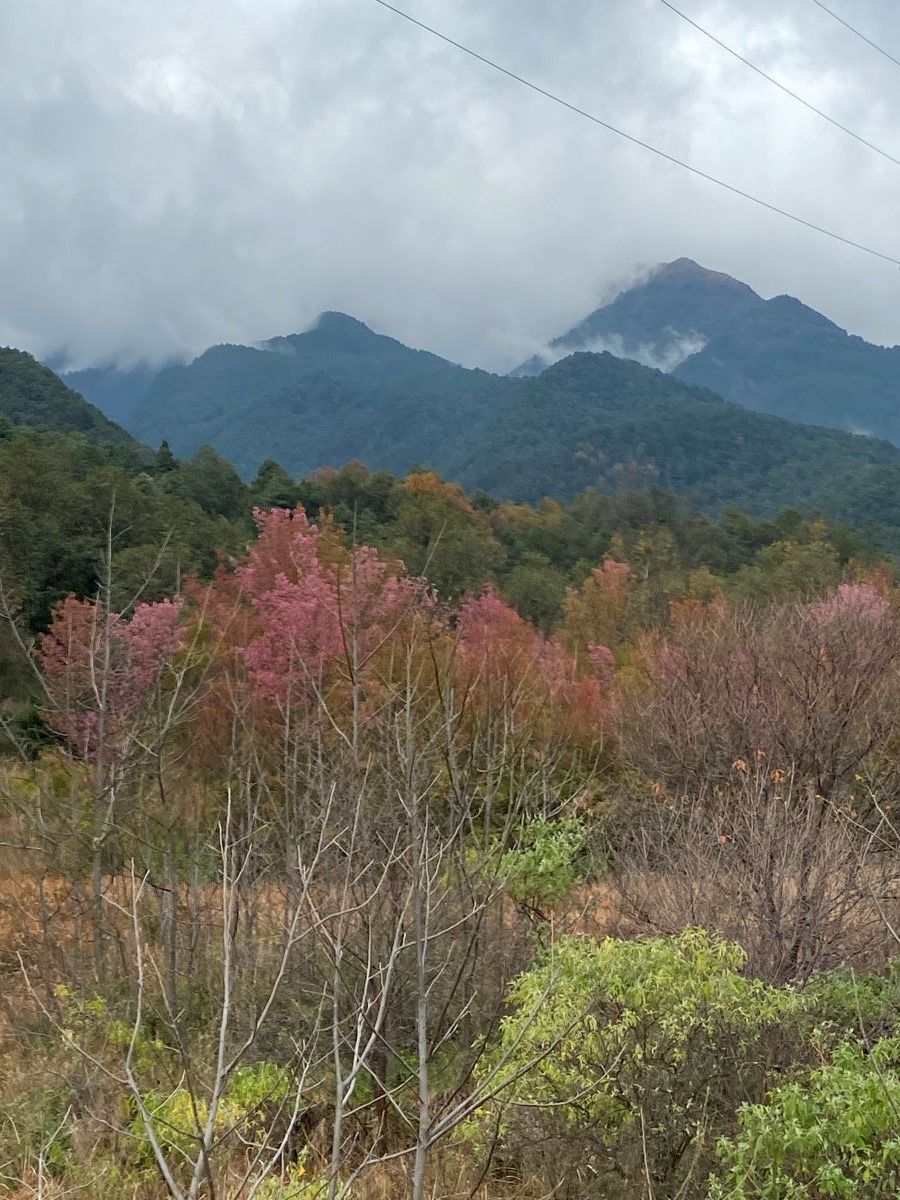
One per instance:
(597,420)
(30,394)
(776,356)
(341,392)
(334,393)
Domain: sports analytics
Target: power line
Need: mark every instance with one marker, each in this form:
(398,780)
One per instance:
(781,86)
(857,32)
(678,162)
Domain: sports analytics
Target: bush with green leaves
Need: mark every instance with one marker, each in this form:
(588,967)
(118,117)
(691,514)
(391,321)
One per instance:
(835,1133)
(543,867)
(844,1004)
(257,1101)
(633,1057)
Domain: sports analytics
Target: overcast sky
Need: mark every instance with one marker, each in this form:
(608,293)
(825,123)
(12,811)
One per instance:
(176,173)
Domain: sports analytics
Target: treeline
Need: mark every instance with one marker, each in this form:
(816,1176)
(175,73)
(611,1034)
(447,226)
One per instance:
(534,554)
(328,884)
(77,514)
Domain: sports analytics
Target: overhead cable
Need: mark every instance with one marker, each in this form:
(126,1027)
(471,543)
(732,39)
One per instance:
(636,141)
(857,32)
(781,86)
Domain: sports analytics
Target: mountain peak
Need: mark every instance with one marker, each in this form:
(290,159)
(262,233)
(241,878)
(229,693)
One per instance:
(333,322)
(682,265)
(790,308)
(685,270)
(660,320)
(334,330)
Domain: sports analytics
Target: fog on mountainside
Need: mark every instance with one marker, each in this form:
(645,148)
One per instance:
(776,356)
(668,315)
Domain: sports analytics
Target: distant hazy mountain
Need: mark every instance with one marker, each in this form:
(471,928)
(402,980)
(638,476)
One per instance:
(31,394)
(776,356)
(114,390)
(341,391)
(334,393)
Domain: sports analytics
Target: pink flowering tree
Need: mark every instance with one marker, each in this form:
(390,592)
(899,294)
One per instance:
(100,670)
(851,605)
(320,615)
(503,659)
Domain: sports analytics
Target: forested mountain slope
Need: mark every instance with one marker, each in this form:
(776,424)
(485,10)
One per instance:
(788,359)
(596,420)
(31,394)
(777,356)
(341,392)
(335,393)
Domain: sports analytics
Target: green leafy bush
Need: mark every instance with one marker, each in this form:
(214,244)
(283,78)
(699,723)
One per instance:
(834,1134)
(543,868)
(252,1093)
(843,1004)
(621,1049)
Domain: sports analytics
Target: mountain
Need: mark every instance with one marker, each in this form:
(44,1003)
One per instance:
(594,420)
(776,356)
(115,391)
(341,391)
(670,315)
(31,394)
(336,392)
(788,359)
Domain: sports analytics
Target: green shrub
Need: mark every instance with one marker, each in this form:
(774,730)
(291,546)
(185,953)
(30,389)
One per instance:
(543,868)
(835,1133)
(843,1004)
(619,1049)
(253,1093)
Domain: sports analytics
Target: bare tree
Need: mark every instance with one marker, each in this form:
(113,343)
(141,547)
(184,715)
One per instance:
(813,688)
(791,877)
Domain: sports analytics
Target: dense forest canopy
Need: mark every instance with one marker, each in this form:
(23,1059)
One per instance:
(31,394)
(76,511)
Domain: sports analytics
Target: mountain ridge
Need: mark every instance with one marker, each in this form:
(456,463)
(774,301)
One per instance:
(341,391)
(778,356)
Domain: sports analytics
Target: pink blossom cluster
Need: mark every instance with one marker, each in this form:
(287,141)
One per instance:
(99,668)
(312,614)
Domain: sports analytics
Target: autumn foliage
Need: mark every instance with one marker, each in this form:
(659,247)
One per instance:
(303,623)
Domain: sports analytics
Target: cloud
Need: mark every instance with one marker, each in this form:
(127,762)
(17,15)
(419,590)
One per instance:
(663,356)
(177,175)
